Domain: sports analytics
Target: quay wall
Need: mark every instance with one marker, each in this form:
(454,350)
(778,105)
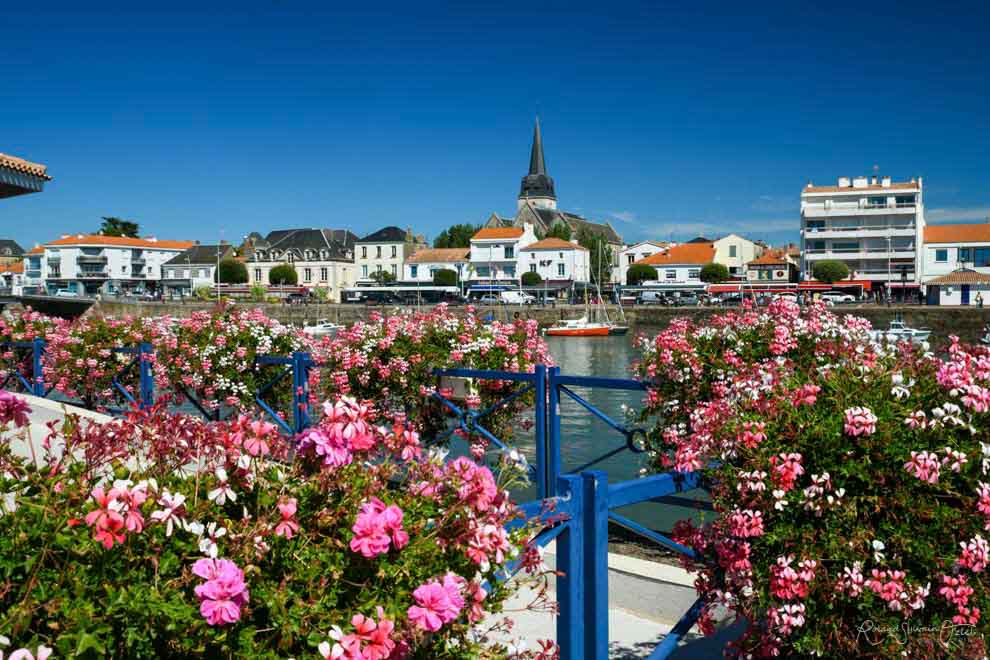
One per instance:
(965,322)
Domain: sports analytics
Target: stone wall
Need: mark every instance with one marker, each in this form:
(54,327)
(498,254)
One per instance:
(966,322)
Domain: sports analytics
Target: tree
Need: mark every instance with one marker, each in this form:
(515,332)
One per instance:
(321,293)
(382,277)
(599,254)
(638,273)
(258,293)
(529,278)
(113,226)
(445,277)
(714,273)
(283,274)
(232,271)
(830,271)
(561,231)
(456,236)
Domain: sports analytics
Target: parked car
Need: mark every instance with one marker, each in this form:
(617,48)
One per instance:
(836,298)
(686,300)
(652,298)
(489,299)
(790,297)
(66,293)
(517,298)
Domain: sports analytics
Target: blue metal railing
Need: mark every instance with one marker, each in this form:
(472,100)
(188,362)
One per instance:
(587,502)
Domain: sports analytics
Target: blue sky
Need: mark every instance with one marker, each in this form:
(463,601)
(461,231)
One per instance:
(211,117)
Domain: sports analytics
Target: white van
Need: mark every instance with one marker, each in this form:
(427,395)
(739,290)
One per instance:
(517,298)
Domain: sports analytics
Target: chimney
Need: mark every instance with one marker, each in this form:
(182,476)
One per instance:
(873,180)
(844,182)
(912,179)
(859,182)
(885,182)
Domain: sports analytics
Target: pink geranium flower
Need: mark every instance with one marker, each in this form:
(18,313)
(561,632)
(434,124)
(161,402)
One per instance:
(437,603)
(106,520)
(223,594)
(288,526)
(13,408)
(860,421)
(377,528)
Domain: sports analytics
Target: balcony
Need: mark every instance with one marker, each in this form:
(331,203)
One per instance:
(54,260)
(93,275)
(862,253)
(867,231)
(137,276)
(819,210)
(138,261)
(91,259)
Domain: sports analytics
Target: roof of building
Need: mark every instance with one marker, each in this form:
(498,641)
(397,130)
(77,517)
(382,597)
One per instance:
(10,248)
(903,185)
(120,241)
(700,239)
(978,232)
(553,243)
(688,253)
(386,235)
(440,255)
(537,183)
(337,241)
(498,232)
(37,249)
(16,267)
(772,257)
(24,166)
(961,276)
(659,244)
(201,254)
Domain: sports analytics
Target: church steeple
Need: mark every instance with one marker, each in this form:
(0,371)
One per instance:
(537,186)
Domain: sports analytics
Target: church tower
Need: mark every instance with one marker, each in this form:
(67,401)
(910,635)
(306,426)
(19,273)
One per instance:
(537,186)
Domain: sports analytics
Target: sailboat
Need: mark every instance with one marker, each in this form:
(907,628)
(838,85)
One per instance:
(582,327)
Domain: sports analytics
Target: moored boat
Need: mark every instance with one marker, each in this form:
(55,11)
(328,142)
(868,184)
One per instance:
(322,328)
(900,331)
(578,328)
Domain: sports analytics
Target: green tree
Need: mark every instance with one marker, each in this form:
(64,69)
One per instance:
(714,273)
(560,230)
(529,278)
(599,254)
(114,226)
(830,271)
(232,271)
(203,292)
(321,293)
(638,273)
(382,277)
(258,293)
(456,236)
(283,274)
(445,277)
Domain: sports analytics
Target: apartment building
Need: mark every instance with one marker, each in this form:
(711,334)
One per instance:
(322,258)
(874,225)
(630,254)
(88,264)
(422,266)
(495,253)
(33,281)
(385,251)
(556,261)
(679,268)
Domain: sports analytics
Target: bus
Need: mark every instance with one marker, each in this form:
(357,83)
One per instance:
(402,295)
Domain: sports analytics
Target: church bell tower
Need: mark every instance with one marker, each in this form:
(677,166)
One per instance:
(537,186)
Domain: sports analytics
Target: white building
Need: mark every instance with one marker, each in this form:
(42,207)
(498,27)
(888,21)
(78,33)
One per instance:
(194,268)
(949,249)
(385,250)
(679,268)
(556,261)
(630,254)
(422,266)
(960,287)
(91,264)
(734,252)
(34,279)
(495,253)
(875,226)
(322,258)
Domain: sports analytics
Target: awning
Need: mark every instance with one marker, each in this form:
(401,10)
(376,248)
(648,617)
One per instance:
(486,288)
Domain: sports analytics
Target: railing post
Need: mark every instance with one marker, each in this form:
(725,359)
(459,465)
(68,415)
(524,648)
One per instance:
(300,391)
(571,582)
(37,373)
(553,408)
(147,385)
(595,509)
(540,413)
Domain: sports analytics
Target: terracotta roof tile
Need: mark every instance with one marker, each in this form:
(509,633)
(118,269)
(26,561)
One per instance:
(24,166)
(498,232)
(688,253)
(120,241)
(769,258)
(961,276)
(36,250)
(971,233)
(16,267)
(554,244)
(439,255)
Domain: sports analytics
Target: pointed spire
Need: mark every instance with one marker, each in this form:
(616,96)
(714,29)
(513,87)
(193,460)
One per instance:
(536,164)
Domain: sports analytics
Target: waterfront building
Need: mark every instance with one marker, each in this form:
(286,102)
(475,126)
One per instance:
(496,253)
(536,205)
(421,266)
(385,251)
(875,226)
(679,268)
(12,278)
(630,254)
(963,286)
(951,249)
(559,263)
(193,268)
(33,279)
(21,177)
(88,264)
(322,258)
(10,252)
(734,252)
(774,265)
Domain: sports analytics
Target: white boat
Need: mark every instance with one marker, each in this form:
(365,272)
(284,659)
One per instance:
(985,339)
(322,328)
(899,331)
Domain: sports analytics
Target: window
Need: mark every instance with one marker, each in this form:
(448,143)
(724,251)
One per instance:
(323,274)
(307,274)
(364,251)
(904,200)
(378,251)
(846,247)
(395,272)
(671,274)
(257,275)
(732,250)
(510,270)
(964,254)
(395,252)
(630,258)
(532,268)
(483,271)
(560,270)
(694,274)
(510,252)
(941,256)
(414,271)
(876,202)
(364,271)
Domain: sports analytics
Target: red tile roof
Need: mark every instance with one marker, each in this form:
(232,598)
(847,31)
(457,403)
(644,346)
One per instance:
(16,267)
(962,276)
(554,244)
(498,232)
(688,253)
(973,233)
(439,255)
(36,250)
(24,166)
(769,258)
(120,241)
